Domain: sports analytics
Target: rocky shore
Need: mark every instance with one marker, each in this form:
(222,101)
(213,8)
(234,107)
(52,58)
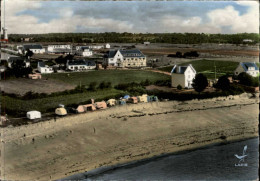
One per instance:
(59,148)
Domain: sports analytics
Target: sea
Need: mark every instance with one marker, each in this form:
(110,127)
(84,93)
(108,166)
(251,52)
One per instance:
(216,162)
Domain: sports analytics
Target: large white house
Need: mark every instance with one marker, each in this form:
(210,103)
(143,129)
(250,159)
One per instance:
(125,58)
(44,69)
(35,48)
(80,65)
(183,75)
(248,67)
(59,48)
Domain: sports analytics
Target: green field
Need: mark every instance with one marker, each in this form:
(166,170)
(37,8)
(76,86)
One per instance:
(207,67)
(113,76)
(19,107)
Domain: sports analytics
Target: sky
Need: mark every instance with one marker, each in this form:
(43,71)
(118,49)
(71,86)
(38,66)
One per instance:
(35,17)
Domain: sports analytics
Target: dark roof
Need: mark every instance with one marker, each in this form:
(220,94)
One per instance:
(181,69)
(41,64)
(90,63)
(76,62)
(11,59)
(126,53)
(245,65)
(26,47)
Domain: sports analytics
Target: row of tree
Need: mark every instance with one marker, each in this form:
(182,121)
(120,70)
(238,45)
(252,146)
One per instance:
(113,37)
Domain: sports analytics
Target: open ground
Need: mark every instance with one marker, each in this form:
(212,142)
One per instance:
(59,148)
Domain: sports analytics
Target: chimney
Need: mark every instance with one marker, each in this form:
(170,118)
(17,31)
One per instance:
(92,101)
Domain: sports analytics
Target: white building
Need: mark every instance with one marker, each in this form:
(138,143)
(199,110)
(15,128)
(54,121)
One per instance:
(96,47)
(248,41)
(44,69)
(80,65)
(33,115)
(183,75)
(125,58)
(107,46)
(35,48)
(59,49)
(248,67)
(84,51)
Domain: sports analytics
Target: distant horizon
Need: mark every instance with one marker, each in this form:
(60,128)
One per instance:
(153,17)
(131,33)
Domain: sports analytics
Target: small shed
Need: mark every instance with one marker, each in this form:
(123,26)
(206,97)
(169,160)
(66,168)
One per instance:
(133,100)
(61,111)
(111,102)
(33,115)
(80,109)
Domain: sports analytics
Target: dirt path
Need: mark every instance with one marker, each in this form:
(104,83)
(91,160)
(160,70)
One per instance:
(121,134)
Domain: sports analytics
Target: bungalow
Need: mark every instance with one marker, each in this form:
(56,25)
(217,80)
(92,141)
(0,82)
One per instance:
(35,48)
(125,58)
(84,51)
(248,67)
(59,49)
(42,68)
(183,75)
(79,65)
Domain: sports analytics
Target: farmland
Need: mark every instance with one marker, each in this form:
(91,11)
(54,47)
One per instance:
(207,67)
(113,76)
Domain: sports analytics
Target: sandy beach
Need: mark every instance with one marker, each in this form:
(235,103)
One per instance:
(59,148)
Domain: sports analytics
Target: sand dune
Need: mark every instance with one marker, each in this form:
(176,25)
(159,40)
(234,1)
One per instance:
(70,145)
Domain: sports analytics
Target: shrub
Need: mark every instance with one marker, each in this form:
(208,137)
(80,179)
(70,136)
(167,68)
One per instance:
(179,87)
(92,86)
(245,79)
(223,83)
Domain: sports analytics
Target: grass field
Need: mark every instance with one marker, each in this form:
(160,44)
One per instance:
(50,103)
(207,67)
(114,76)
(16,106)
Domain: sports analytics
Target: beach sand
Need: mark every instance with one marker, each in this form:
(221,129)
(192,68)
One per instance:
(70,145)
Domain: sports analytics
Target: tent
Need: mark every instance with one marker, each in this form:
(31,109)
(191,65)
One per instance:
(33,115)
(126,97)
(133,100)
(61,111)
(111,102)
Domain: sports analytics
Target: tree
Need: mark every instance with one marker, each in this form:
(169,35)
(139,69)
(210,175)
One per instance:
(28,54)
(245,79)
(200,82)
(223,83)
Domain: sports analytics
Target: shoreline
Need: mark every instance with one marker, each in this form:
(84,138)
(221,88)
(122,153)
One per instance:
(54,150)
(104,169)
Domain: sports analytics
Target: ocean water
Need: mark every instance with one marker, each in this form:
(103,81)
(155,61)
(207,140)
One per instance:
(210,163)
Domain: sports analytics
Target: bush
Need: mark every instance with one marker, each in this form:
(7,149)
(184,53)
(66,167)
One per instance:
(92,86)
(179,87)
(245,79)
(223,83)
